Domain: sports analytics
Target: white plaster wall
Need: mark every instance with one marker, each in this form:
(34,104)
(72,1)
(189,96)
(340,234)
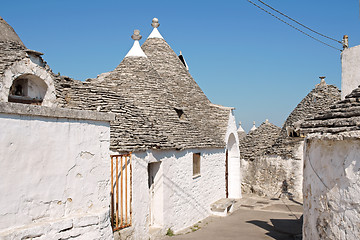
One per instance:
(36,88)
(186,200)
(26,66)
(332,189)
(37,60)
(54,178)
(234,165)
(350,65)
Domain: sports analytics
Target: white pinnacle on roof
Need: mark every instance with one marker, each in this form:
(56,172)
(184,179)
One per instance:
(240,129)
(136,50)
(253,127)
(155,32)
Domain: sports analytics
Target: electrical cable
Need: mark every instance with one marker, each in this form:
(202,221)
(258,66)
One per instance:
(293,26)
(300,23)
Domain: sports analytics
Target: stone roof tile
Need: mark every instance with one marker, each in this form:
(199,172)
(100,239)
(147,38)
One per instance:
(254,145)
(209,119)
(321,98)
(343,116)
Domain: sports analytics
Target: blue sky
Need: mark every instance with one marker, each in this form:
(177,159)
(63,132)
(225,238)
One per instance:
(239,55)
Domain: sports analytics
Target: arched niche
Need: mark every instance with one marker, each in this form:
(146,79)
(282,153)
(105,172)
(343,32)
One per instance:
(28,89)
(27,82)
(233,168)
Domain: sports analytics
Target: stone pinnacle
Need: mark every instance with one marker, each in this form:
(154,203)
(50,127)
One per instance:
(136,35)
(155,23)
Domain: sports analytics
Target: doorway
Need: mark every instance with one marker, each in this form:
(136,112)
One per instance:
(227,174)
(233,168)
(155,178)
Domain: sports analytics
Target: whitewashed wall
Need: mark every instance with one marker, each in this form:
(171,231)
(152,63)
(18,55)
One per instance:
(54,175)
(186,200)
(234,164)
(350,70)
(332,189)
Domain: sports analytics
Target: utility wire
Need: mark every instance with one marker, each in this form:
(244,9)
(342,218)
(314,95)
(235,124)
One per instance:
(300,23)
(293,26)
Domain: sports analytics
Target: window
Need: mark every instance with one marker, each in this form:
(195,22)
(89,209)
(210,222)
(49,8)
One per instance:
(196,164)
(180,113)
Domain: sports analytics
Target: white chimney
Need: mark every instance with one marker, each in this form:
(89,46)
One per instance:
(350,69)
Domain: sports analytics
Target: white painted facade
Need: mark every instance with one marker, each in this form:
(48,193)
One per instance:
(179,199)
(332,187)
(54,174)
(165,193)
(234,165)
(350,70)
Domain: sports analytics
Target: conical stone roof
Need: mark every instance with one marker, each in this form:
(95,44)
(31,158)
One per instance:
(253,146)
(210,119)
(8,34)
(11,47)
(160,106)
(319,100)
(342,117)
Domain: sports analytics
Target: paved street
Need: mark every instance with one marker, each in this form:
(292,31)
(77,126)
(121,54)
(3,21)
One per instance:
(254,218)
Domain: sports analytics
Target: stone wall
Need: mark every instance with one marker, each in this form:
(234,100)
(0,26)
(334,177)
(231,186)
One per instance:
(266,175)
(331,187)
(54,173)
(278,157)
(254,166)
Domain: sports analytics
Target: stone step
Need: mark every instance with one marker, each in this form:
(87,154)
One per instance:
(222,207)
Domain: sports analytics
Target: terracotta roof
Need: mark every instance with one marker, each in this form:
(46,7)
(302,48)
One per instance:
(343,116)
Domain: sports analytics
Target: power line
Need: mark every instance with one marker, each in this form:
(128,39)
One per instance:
(292,26)
(300,23)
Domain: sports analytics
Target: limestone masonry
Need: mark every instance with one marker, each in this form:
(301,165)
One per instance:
(149,108)
(141,151)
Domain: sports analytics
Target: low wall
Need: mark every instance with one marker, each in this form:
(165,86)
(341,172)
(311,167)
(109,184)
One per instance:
(331,189)
(54,172)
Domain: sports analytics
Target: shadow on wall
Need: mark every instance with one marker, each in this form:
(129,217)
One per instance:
(185,196)
(281,229)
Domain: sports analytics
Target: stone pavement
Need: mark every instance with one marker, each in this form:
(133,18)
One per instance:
(254,218)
